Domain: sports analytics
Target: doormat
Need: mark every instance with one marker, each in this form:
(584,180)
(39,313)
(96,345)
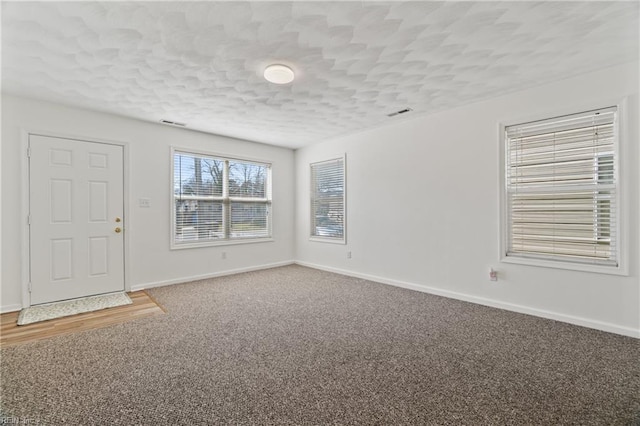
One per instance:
(71,307)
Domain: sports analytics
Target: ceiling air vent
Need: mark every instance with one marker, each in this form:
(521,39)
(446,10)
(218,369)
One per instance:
(402,111)
(173,123)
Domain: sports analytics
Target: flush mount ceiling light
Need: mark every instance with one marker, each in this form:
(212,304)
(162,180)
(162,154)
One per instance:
(278,74)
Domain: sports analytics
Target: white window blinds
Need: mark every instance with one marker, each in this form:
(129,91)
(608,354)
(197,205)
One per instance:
(561,183)
(327,199)
(218,199)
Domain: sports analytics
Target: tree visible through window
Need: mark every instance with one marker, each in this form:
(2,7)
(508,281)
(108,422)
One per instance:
(218,199)
(561,188)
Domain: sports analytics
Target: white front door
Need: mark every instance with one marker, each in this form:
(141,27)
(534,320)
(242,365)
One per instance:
(76,218)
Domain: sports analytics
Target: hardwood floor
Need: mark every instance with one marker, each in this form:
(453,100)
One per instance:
(12,334)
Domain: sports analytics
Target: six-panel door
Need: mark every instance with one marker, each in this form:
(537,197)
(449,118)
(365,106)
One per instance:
(76,218)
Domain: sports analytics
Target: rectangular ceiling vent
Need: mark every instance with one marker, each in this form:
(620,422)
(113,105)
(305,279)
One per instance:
(173,123)
(402,111)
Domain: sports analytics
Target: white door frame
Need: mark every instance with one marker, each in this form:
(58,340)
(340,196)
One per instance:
(24,183)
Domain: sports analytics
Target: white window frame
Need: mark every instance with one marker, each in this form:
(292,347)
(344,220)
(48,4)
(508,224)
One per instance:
(225,198)
(334,240)
(622,195)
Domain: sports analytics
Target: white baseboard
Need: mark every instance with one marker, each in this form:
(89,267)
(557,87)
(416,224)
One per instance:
(10,308)
(144,286)
(584,322)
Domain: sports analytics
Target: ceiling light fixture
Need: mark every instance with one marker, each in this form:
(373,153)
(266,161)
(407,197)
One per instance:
(279,74)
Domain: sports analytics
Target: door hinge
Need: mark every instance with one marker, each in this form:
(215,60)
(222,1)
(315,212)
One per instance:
(29,220)
(29,152)
(29,286)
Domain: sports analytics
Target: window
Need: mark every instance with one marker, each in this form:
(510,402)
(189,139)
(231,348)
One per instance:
(562,188)
(327,200)
(218,199)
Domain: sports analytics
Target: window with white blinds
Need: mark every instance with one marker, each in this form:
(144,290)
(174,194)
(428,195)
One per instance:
(562,188)
(219,199)
(328,200)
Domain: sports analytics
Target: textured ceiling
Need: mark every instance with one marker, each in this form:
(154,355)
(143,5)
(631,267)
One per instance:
(201,62)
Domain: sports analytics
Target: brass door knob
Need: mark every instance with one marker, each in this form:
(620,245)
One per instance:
(118,219)
(118,230)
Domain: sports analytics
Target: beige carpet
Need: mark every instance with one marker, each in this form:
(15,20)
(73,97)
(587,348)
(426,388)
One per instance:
(303,347)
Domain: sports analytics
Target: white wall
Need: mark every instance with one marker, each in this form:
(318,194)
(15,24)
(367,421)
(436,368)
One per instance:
(423,207)
(150,260)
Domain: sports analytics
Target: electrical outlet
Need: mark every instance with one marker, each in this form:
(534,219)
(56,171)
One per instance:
(348,255)
(224,255)
(144,202)
(493,275)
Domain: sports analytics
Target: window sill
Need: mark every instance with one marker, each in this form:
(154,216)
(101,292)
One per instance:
(180,246)
(328,240)
(597,269)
